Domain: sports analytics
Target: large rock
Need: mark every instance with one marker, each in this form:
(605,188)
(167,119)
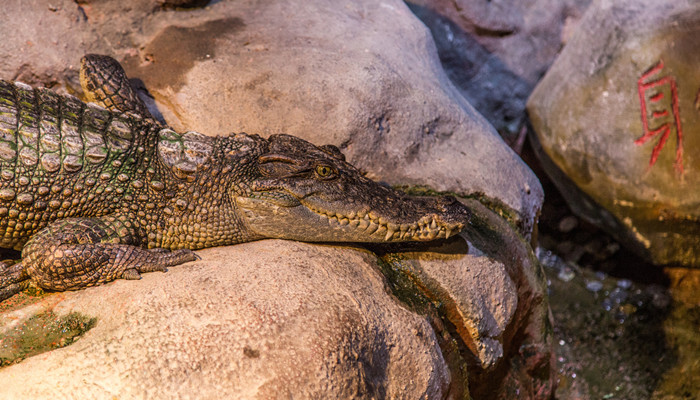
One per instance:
(326,72)
(618,120)
(496,51)
(490,291)
(276,317)
(295,321)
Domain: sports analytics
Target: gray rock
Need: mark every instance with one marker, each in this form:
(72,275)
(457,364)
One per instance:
(328,73)
(617,119)
(480,316)
(496,51)
(296,320)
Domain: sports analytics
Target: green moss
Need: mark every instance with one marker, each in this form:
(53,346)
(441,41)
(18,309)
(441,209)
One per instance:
(409,290)
(456,363)
(41,333)
(404,285)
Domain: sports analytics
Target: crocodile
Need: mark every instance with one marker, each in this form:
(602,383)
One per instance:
(93,192)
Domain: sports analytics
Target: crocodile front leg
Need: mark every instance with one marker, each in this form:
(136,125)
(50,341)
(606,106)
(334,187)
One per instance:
(75,253)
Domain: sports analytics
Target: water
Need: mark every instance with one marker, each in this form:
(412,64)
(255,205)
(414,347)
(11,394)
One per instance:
(619,339)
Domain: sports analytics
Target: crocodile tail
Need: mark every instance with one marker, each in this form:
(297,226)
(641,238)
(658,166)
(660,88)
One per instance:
(13,280)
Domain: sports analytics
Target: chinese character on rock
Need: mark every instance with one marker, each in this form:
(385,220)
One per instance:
(658,96)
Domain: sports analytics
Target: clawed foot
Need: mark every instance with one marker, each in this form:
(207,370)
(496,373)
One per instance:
(182,256)
(159,260)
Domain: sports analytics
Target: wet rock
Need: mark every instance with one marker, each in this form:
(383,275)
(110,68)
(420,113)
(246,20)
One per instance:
(329,74)
(297,320)
(617,120)
(496,51)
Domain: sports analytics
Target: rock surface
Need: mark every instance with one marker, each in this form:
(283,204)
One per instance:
(490,292)
(327,73)
(618,122)
(480,316)
(270,317)
(496,51)
(296,320)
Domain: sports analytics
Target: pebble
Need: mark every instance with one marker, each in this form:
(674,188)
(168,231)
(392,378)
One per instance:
(594,286)
(549,259)
(612,248)
(607,304)
(568,224)
(566,274)
(624,283)
(618,296)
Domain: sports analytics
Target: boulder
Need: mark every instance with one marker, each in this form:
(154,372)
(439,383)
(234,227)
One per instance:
(618,122)
(304,320)
(296,321)
(330,74)
(489,290)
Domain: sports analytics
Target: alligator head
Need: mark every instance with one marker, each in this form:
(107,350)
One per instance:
(309,193)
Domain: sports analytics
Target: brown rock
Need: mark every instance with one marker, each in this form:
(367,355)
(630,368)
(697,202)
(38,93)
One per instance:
(332,74)
(617,123)
(296,320)
(490,290)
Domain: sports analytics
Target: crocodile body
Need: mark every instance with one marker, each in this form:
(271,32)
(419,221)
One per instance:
(91,194)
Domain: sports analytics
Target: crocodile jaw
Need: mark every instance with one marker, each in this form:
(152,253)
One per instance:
(306,222)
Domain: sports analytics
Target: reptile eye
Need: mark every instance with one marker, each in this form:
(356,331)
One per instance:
(324,171)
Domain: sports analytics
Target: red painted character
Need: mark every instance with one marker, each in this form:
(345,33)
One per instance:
(658,96)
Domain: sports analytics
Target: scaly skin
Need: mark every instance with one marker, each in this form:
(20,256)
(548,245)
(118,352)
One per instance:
(90,194)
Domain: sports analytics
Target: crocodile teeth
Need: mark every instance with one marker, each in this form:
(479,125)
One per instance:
(372,228)
(381,230)
(389,235)
(344,221)
(448,233)
(363,224)
(433,225)
(354,223)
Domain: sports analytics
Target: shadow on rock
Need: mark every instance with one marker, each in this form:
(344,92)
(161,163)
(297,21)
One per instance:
(481,77)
